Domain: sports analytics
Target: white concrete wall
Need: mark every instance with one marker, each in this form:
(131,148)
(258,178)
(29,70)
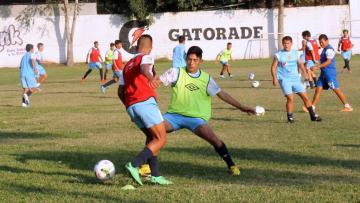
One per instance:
(106,28)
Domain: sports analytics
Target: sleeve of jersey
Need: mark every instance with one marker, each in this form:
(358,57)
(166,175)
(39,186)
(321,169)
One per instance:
(147,59)
(121,80)
(169,77)
(330,54)
(116,54)
(309,46)
(213,88)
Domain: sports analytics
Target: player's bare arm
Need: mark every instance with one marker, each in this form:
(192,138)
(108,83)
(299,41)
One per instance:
(303,69)
(323,65)
(273,71)
(87,58)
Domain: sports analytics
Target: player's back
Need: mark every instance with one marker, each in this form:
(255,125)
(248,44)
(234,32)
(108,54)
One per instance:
(26,65)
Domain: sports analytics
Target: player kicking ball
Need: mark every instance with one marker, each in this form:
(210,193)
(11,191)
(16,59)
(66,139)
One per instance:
(117,66)
(27,74)
(141,104)
(190,105)
(284,71)
(95,62)
(327,77)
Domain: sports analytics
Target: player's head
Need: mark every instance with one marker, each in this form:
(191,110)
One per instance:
(118,44)
(40,46)
(181,39)
(323,40)
(144,44)
(287,43)
(306,34)
(112,46)
(345,32)
(193,58)
(96,44)
(29,48)
(229,45)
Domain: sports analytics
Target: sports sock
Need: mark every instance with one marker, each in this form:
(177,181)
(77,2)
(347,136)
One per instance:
(154,166)
(311,111)
(110,82)
(142,157)
(29,93)
(315,80)
(101,74)
(87,73)
(311,83)
(224,153)
(290,116)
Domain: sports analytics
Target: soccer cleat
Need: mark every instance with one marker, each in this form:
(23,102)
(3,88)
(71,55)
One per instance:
(316,118)
(234,170)
(26,99)
(347,109)
(160,180)
(222,76)
(291,120)
(134,172)
(144,170)
(24,105)
(82,80)
(103,89)
(231,75)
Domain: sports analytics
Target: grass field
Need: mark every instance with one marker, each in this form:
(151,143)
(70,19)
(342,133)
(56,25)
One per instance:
(47,151)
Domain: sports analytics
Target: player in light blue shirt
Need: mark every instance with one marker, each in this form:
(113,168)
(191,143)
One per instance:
(179,54)
(27,74)
(284,71)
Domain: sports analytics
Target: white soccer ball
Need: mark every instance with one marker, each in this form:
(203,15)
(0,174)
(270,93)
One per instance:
(255,83)
(251,76)
(104,170)
(259,110)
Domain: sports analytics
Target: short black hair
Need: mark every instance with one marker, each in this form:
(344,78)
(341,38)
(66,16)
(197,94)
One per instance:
(181,38)
(146,36)
(112,44)
(345,30)
(286,38)
(29,47)
(118,41)
(96,42)
(40,45)
(195,50)
(323,36)
(306,33)
(229,43)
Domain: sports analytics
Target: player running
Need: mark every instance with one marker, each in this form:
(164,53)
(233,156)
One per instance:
(311,56)
(284,71)
(40,61)
(95,61)
(117,66)
(345,47)
(27,74)
(141,104)
(109,56)
(179,54)
(190,105)
(224,56)
(327,77)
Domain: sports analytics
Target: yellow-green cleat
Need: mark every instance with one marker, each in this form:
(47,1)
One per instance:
(134,172)
(160,180)
(234,170)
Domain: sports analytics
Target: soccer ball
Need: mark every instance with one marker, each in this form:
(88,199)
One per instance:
(255,83)
(259,110)
(104,170)
(251,76)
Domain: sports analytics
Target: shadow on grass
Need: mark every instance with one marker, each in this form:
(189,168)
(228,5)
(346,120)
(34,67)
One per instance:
(27,135)
(347,145)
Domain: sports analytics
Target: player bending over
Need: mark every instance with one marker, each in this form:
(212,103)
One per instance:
(27,74)
(40,61)
(327,77)
(311,56)
(141,104)
(190,105)
(109,56)
(345,46)
(284,71)
(224,56)
(117,66)
(95,61)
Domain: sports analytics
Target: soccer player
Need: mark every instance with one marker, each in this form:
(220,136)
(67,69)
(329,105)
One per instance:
(345,46)
(40,61)
(141,104)
(109,59)
(95,61)
(224,56)
(117,66)
(27,74)
(284,71)
(327,77)
(190,105)
(311,56)
(179,54)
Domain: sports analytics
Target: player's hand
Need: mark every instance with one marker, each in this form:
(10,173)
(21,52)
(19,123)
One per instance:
(155,82)
(275,82)
(248,110)
(316,67)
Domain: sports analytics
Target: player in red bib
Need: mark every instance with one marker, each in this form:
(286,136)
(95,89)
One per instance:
(345,47)
(141,104)
(312,56)
(117,66)
(95,61)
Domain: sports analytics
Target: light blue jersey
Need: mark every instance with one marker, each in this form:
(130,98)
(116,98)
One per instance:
(26,68)
(287,68)
(179,56)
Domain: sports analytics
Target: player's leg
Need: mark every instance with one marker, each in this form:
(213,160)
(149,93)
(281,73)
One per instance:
(43,78)
(290,107)
(98,66)
(309,107)
(222,69)
(91,66)
(229,70)
(339,93)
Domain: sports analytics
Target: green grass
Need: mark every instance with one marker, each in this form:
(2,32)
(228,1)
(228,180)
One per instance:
(47,152)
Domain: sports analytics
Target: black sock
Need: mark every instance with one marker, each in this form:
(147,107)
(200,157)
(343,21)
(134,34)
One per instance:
(224,153)
(347,64)
(87,73)
(154,166)
(315,80)
(311,112)
(311,83)
(290,116)
(105,74)
(110,82)
(101,74)
(23,99)
(142,157)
